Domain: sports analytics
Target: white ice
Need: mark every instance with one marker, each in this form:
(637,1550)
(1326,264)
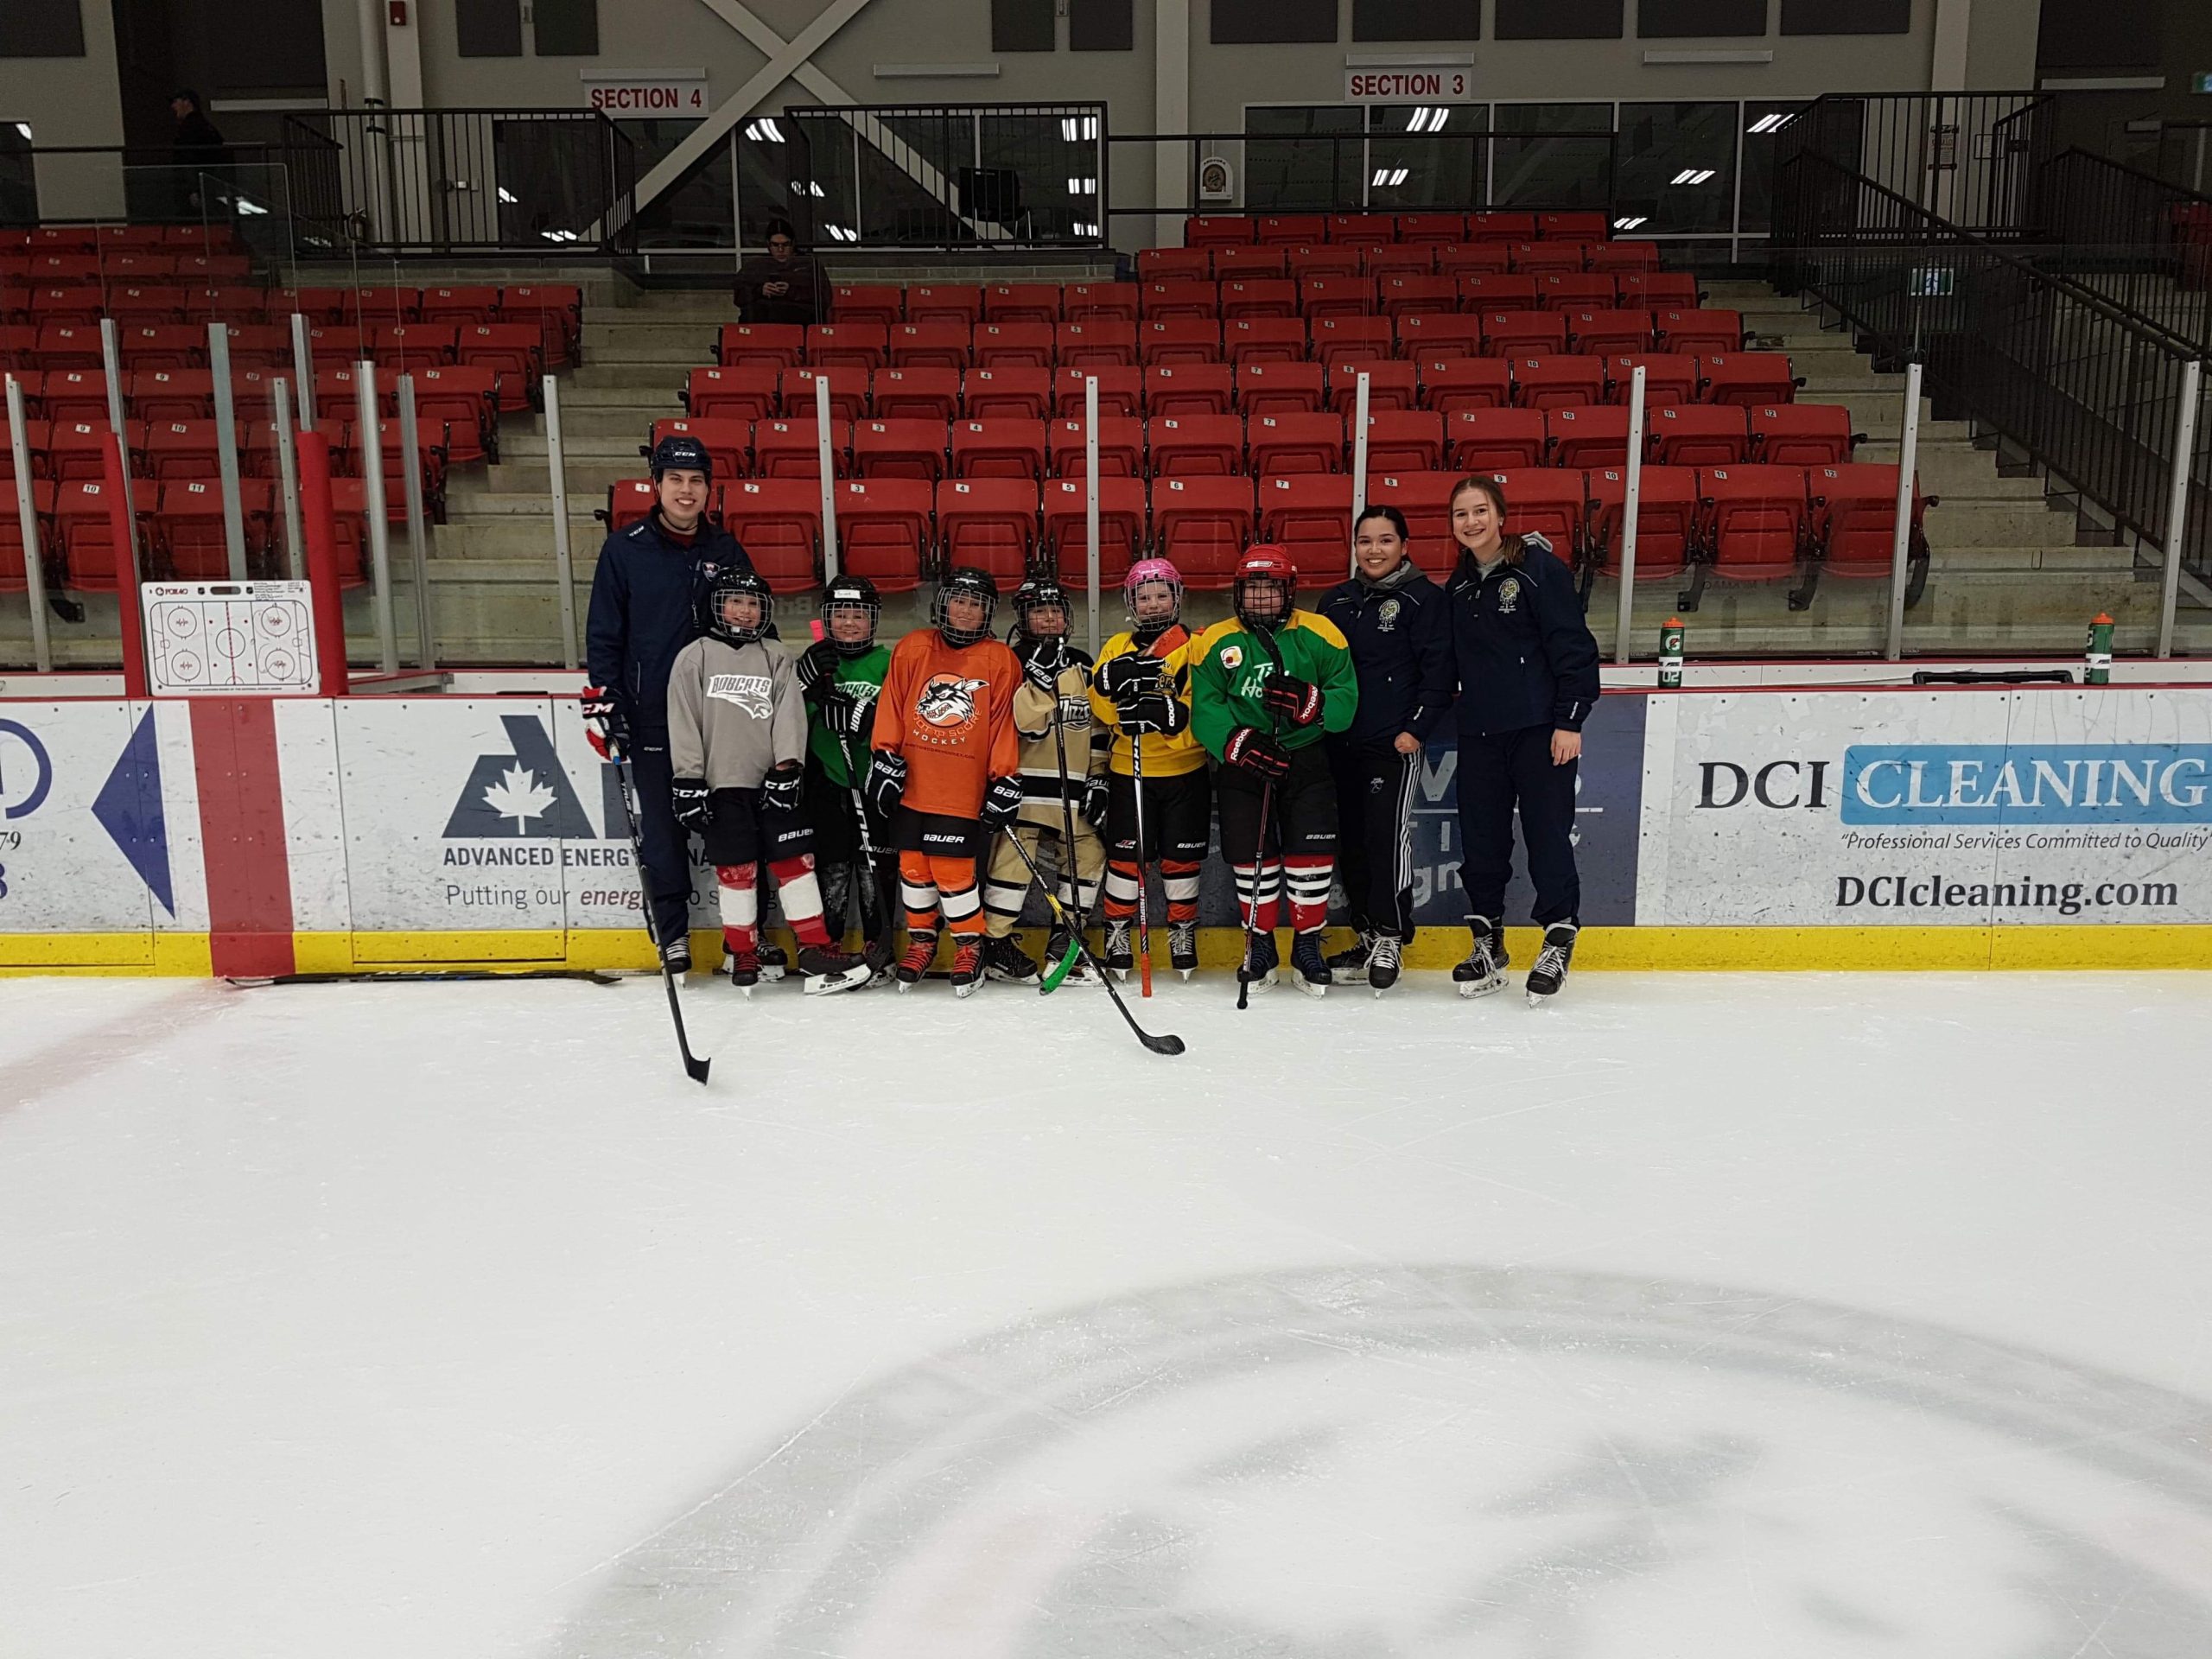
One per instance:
(1741,1317)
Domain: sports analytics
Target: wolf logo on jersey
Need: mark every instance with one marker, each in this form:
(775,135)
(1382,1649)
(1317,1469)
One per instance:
(748,691)
(948,701)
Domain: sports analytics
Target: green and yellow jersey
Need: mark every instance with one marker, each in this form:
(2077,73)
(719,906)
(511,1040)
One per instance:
(1229,663)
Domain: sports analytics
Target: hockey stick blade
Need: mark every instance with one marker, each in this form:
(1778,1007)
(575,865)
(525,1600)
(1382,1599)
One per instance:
(1165,1042)
(694,1067)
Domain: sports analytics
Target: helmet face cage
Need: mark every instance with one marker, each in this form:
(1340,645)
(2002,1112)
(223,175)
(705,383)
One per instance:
(1247,588)
(1033,596)
(846,595)
(971,584)
(1149,573)
(729,587)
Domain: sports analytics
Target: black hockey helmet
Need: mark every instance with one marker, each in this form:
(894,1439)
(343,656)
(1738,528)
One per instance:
(679,452)
(851,593)
(731,584)
(974,584)
(1039,592)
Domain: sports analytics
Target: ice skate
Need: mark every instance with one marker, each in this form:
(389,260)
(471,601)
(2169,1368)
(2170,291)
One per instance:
(676,956)
(1006,961)
(1307,970)
(1549,973)
(877,956)
(1056,944)
(1483,972)
(824,969)
(744,970)
(921,951)
(1258,968)
(1350,965)
(1182,947)
(772,961)
(1382,966)
(1120,955)
(967,967)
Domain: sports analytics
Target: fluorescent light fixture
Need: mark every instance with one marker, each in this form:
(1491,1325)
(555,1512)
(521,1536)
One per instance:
(508,196)
(1074,129)
(764,131)
(839,233)
(1082,187)
(1630,223)
(560,236)
(1693,175)
(1388,178)
(1768,122)
(816,190)
(1419,120)
(24,130)
(245,206)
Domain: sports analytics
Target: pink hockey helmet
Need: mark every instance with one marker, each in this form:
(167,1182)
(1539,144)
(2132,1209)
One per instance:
(1150,570)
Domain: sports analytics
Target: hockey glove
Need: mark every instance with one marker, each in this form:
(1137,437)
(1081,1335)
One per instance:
(817,666)
(886,781)
(694,803)
(606,728)
(1042,661)
(780,789)
(1095,795)
(1002,801)
(1133,674)
(1257,752)
(1163,715)
(1297,701)
(849,706)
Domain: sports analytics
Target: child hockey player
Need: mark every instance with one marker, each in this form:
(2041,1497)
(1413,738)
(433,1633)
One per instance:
(841,673)
(1063,786)
(1141,695)
(1266,685)
(737,739)
(1528,673)
(943,770)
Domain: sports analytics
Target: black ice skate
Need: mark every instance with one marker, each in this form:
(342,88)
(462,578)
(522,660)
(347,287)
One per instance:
(1057,943)
(744,970)
(824,969)
(1351,965)
(1382,966)
(1307,970)
(967,967)
(1550,970)
(1483,972)
(877,956)
(1258,968)
(921,951)
(772,961)
(1182,947)
(1120,955)
(1006,961)
(676,955)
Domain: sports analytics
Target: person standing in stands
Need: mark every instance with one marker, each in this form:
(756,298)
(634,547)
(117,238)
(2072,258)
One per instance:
(1528,673)
(1402,653)
(199,149)
(648,602)
(782,288)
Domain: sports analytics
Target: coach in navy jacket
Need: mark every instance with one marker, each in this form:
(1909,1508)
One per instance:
(1400,639)
(647,598)
(1528,672)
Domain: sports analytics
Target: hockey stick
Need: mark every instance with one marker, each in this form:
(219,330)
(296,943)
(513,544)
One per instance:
(694,1067)
(881,908)
(1260,843)
(1165,1043)
(1144,900)
(1059,971)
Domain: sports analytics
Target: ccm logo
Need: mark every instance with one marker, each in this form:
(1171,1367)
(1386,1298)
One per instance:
(1779,783)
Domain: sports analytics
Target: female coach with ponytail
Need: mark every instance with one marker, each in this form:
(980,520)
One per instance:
(1528,672)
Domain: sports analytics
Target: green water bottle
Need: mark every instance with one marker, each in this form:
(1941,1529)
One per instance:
(1670,655)
(2096,668)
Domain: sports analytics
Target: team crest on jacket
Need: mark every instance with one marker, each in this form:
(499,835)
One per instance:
(948,701)
(1386,616)
(1232,657)
(1508,595)
(748,691)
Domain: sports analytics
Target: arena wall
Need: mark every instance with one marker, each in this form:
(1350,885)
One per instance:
(1727,829)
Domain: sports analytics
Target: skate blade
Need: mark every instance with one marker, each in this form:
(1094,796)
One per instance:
(1000,976)
(1311,988)
(1482,987)
(1187,973)
(770,973)
(852,979)
(969,989)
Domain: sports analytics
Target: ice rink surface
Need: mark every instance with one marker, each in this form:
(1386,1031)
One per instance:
(1797,1317)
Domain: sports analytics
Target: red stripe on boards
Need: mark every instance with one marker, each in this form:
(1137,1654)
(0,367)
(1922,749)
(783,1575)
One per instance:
(242,835)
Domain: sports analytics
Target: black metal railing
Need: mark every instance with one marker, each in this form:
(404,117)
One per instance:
(2069,380)
(1968,157)
(2139,241)
(940,175)
(461,182)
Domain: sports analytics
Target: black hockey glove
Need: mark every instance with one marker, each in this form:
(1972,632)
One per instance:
(1042,661)
(1095,795)
(780,789)
(1133,674)
(694,803)
(886,781)
(1254,750)
(1297,701)
(817,666)
(1001,802)
(1163,715)
(606,729)
(849,706)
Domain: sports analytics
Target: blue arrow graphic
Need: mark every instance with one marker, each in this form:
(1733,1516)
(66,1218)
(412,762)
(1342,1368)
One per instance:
(130,809)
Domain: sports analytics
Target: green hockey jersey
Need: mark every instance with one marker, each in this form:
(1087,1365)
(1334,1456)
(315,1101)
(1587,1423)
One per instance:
(1229,663)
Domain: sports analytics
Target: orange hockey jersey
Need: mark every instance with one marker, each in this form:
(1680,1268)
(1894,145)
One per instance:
(950,711)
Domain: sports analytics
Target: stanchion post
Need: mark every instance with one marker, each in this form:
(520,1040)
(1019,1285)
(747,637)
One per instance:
(2192,383)
(319,520)
(121,514)
(1090,499)
(370,425)
(226,448)
(303,371)
(288,479)
(27,521)
(564,563)
(418,533)
(1358,464)
(825,452)
(126,549)
(1632,503)
(1901,538)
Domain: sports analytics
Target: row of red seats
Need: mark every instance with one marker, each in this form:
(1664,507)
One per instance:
(1751,522)
(466,398)
(1458,258)
(1540,381)
(511,354)
(76,451)
(38,270)
(180,528)
(88,238)
(1501,332)
(136,302)
(1477,440)
(1373,230)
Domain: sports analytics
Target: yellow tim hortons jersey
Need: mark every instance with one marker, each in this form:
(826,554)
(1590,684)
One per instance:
(1165,756)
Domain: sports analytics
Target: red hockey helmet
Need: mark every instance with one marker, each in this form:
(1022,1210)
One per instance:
(1264,571)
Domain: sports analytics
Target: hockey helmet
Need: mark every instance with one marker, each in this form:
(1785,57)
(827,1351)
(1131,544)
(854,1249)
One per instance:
(849,594)
(964,581)
(733,585)
(1144,573)
(1265,569)
(679,452)
(1037,594)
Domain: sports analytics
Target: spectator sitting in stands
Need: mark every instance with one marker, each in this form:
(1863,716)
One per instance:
(781,287)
